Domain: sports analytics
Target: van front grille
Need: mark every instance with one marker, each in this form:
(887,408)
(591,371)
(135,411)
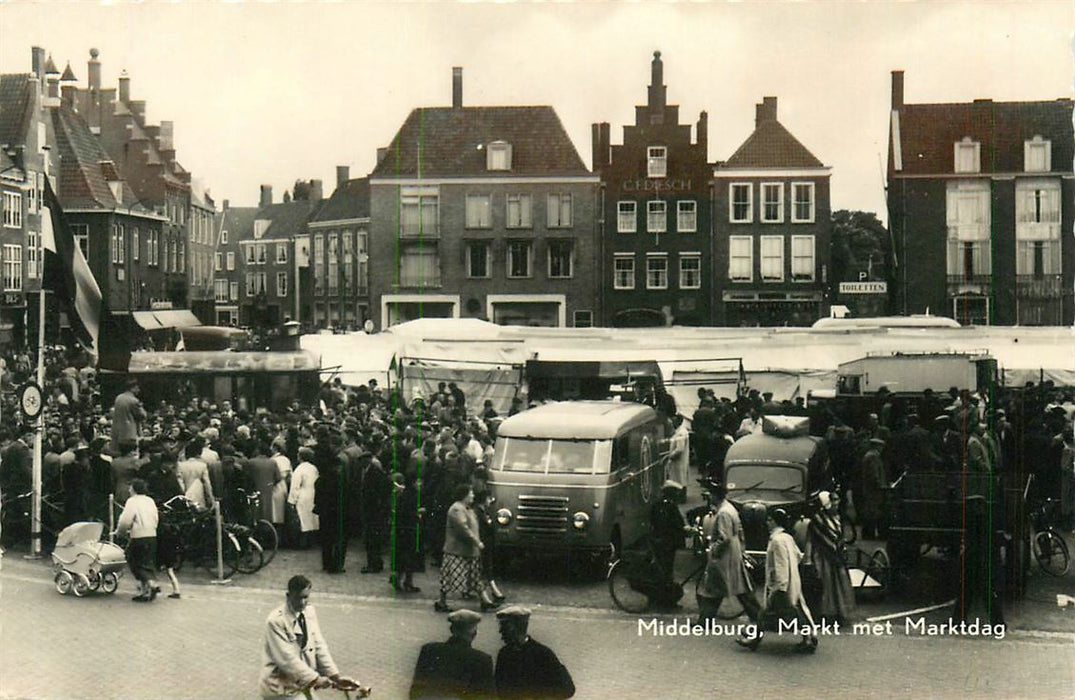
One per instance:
(542,515)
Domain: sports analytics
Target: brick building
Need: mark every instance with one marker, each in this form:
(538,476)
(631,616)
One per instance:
(339,259)
(979,195)
(485,212)
(656,258)
(771,229)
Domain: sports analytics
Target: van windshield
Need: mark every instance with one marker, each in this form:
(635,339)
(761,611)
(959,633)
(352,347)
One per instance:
(546,456)
(762,477)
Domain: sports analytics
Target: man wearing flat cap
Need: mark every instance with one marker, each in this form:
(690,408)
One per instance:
(526,668)
(452,669)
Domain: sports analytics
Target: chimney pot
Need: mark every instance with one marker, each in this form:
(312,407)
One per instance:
(266,196)
(765,112)
(94,70)
(227,204)
(897,89)
(343,174)
(37,62)
(701,134)
(457,87)
(124,87)
(317,190)
(381,153)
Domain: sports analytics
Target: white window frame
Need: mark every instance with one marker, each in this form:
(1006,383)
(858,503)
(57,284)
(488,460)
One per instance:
(523,218)
(582,313)
(779,243)
(623,224)
(425,203)
(13,209)
(559,210)
(488,259)
(654,257)
(224,236)
(260,227)
(281,254)
(812,188)
(33,254)
(732,187)
(12,268)
(479,211)
(231,261)
(233,290)
(749,241)
(765,188)
(319,249)
(974,148)
(683,272)
(136,244)
(1038,213)
(1029,146)
(509,259)
(218,262)
(687,216)
(570,258)
(618,258)
(281,284)
(81,234)
(796,242)
(498,151)
(656,161)
(220,290)
(656,216)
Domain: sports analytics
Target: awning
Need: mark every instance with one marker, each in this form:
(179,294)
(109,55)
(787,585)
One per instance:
(166,318)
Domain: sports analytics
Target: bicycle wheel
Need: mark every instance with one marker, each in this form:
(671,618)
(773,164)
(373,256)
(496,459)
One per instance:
(267,537)
(1051,551)
(624,592)
(252,557)
(230,551)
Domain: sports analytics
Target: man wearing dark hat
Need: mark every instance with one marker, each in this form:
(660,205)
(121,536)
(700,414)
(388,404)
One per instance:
(127,416)
(667,528)
(868,488)
(526,668)
(452,669)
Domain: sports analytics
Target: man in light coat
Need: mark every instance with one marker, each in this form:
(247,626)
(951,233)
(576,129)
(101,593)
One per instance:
(725,573)
(295,657)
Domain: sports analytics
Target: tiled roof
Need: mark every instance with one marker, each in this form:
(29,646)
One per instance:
(929,132)
(349,201)
(447,140)
(8,168)
(68,74)
(14,103)
(239,223)
(288,219)
(772,146)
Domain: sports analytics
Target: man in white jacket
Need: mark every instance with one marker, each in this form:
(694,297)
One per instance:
(140,518)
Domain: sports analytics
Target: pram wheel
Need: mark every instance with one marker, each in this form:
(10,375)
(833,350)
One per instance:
(63,581)
(95,581)
(109,582)
(81,585)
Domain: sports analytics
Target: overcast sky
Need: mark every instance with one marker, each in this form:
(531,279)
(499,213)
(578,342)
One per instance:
(270,93)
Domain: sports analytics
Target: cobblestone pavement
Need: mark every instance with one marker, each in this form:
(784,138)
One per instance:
(207,645)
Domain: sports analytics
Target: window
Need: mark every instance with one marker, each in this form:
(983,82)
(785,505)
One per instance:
(518,214)
(154,247)
(478,211)
(498,156)
(802,258)
(968,156)
(802,206)
(81,234)
(119,254)
(419,266)
(623,274)
(656,272)
(1037,228)
(260,226)
(1037,155)
(772,258)
(349,278)
(772,202)
(559,211)
(626,216)
(333,249)
(561,259)
(231,261)
(347,244)
(418,212)
(968,217)
(224,236)
(582,319)
(656,161)
(519,259)
(233,290)
(333,279)
(12,268)
(281,253)
(13,209)
(33,253)
(220,290)
(740,258)
(687,216)
(31,201)
(251,255)
(136,244)
(255,283)
(181,249)
(478,259)
(319,249)
(741,203)
(656,216)
(281,284)
(690,271)
(218,261)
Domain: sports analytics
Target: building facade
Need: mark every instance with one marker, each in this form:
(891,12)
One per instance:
(337,294)
(482,212)
(771,229)
(979,195)
(656,252)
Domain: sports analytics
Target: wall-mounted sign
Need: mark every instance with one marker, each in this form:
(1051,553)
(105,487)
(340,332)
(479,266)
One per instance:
(12,299)
(658,185)
(864,288)
(160,305)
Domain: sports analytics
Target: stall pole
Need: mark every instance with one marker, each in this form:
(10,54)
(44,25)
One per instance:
(219,545)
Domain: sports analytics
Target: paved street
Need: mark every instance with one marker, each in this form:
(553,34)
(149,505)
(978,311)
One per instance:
(207,645)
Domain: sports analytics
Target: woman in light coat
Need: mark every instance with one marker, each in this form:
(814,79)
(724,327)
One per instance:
(280,490)
(302,495)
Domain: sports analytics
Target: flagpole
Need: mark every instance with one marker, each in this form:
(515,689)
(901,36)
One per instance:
(35,511)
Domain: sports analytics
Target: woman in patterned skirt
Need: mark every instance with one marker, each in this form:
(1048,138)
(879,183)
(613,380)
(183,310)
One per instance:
(460,570)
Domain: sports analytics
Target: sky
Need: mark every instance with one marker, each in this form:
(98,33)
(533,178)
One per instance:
(268,93)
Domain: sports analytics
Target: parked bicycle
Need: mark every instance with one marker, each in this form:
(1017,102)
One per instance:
(1047,544)
(259,529)
(195,530)
(634,578)
(15,512)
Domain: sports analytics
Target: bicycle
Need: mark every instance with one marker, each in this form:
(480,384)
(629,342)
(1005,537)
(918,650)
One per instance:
(633,579)
(258,529)
(16,513)
(196,533)
(1049,548)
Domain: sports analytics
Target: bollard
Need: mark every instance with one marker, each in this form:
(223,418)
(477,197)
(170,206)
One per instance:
(219,545)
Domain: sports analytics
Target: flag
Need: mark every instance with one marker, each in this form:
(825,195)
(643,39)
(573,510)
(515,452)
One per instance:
(67,274)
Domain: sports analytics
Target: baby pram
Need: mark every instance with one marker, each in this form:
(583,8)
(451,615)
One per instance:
(83,563)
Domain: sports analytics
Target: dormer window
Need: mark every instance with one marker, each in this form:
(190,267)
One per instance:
(498,156)
(656,161)
(968,156)
(260,226)
(1037,155)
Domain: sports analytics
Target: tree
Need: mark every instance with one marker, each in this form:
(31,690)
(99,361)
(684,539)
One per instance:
(860,243)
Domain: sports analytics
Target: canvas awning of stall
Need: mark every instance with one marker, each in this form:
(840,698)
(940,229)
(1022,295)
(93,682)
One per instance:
(212,362)
(604,369)
(165,318)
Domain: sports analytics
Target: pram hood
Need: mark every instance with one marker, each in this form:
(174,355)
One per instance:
(77,533)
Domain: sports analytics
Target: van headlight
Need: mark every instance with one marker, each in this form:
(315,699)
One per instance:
(504,517)
(580,520)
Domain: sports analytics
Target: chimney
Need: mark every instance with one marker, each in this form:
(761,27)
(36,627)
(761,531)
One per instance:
(124,87)
(94,70)
(595,147)
(701,132)
(53,77)
(343,174)
(897,89)
(37,63)
(317,191)
(381,153)
(266,196)
(457,87)
(167,130)
(656,87)
(765,112)
(68,93)
(227,204)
